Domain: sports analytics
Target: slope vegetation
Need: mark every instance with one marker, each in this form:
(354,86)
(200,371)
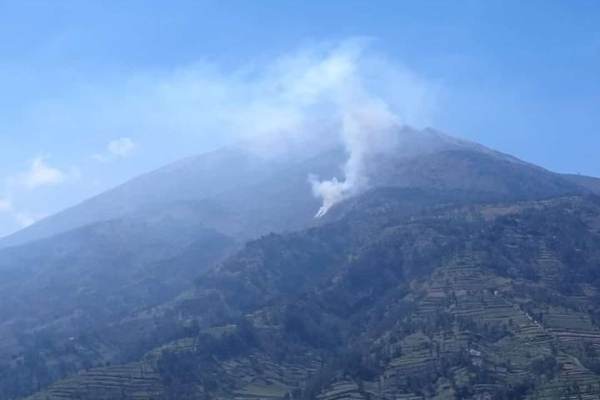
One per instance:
(398,299)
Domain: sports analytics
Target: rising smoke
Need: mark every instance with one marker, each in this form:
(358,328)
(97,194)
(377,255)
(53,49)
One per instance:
(367,126)
(328,94)
(319,97)
(369,100)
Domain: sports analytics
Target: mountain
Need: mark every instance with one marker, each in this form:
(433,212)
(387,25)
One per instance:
(230,185)
(413,294)
(101,299)
(188,180)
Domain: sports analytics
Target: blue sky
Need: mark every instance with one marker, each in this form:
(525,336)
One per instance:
(91,91)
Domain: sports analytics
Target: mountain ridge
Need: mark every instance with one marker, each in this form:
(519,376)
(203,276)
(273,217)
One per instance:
(142,193)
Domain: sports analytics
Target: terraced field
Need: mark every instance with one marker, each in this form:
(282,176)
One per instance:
(489,307)
(132,381)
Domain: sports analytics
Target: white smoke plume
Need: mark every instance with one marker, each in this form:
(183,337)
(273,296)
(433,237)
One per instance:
(341,93)
(370,101)
(299,103)
(362,128)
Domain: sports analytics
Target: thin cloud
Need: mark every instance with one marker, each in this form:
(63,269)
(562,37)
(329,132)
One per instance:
(40,174)
(119,148)
(23,185)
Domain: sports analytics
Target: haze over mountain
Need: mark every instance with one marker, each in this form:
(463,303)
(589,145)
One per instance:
(109,282)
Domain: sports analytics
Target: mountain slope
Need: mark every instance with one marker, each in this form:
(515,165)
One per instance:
(119,284)
(445,300)
(190,179)
(588,182)
(79,283)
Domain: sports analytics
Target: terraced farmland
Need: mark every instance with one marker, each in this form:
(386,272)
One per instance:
(459,303)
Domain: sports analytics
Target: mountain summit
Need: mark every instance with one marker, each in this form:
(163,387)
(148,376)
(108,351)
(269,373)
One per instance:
(215,183)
